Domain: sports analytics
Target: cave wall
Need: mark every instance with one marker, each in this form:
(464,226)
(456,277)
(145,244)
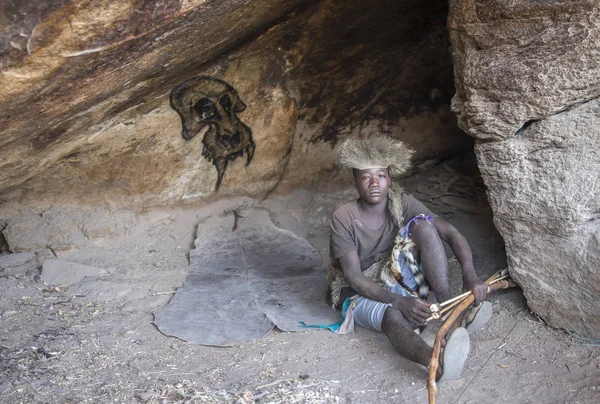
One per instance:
(84,95)
(528,84)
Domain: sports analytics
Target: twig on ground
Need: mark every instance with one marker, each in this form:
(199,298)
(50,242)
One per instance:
(164,293)
(514,354)
(305,386)
(276,382)
(445,194)
(364,391)
(583,344)
(586,341)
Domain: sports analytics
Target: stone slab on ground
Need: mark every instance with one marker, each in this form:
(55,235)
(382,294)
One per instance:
(18,263)
(247,275)
(59,272)
(16,259)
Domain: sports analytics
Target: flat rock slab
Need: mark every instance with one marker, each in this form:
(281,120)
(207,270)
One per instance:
(59,272)
(104,290)
(16,259)
(247,276)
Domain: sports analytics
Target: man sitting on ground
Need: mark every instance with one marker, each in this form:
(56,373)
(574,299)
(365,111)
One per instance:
(362,236)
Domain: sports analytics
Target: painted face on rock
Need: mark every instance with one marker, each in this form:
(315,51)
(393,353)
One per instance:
(372,184)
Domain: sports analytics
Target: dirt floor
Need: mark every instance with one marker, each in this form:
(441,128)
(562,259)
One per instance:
(95,342)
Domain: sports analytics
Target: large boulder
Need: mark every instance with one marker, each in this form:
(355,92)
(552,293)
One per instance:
(527,79)
(515,62)
(543,186)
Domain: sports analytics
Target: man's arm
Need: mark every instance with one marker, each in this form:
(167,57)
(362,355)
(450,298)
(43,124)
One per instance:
(462,251)
(413,309)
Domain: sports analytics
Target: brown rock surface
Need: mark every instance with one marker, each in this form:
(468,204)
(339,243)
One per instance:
(96,78)
(77,66)
(517,67)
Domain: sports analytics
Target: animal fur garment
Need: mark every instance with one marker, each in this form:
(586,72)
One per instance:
(403,246)
(376,152)
(394,204)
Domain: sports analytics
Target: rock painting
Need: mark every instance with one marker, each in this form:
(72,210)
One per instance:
(203,102)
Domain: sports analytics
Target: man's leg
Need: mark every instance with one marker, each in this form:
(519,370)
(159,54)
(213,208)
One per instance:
(433,258)
(435,265)
(404,340)
(383,317)
(379,316)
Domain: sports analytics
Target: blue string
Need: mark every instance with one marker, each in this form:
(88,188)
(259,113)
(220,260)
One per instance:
(405,232)
(333,327)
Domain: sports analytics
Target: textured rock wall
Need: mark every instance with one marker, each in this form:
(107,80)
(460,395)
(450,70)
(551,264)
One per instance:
(83,107)
(360,68)
(528,82)
(84,94)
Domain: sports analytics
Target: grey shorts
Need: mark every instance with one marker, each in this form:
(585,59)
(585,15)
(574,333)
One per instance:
(369,314)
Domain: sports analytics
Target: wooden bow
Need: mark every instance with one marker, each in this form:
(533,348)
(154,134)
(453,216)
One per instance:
(457,305)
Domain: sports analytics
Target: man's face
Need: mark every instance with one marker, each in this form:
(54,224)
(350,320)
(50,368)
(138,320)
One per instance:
(372,184)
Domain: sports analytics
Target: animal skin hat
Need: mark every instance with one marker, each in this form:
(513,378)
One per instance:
(375,152)
(379,152)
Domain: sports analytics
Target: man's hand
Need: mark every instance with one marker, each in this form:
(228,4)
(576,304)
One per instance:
(477,287)
(413,309)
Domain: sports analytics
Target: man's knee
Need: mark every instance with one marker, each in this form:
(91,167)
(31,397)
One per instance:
(393,318)
(422,227)
(424,232)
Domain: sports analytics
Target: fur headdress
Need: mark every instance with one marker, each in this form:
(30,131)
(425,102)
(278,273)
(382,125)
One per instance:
(375,152)
(378,152)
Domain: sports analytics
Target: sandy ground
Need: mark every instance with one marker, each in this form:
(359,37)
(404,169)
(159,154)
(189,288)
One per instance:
(94,341)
